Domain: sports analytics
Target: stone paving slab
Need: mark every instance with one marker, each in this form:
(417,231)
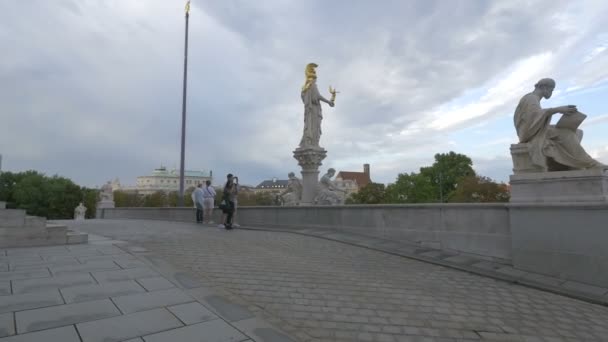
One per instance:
(130,263)
(5,288)
(130,326)
(129,274)
(88,267)
(43,264)
(191,313)
(7,325)
(25,274)
(63,334)
(98,291)
(62,315)
(29,301)
(213,331)
(17,260)
(155,283)
(113,257)
(149,300)
(3,266)
(44,284)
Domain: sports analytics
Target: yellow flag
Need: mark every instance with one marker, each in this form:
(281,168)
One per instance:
(188,7)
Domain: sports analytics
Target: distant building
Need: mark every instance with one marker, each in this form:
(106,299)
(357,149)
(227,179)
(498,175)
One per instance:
(272,185)
(162,179)
(351,181)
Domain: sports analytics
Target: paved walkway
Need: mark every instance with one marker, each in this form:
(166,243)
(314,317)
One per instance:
(109,291)
(319,290)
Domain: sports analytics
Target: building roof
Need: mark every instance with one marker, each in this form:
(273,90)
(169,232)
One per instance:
(361,178)
(163,172)
(273,183)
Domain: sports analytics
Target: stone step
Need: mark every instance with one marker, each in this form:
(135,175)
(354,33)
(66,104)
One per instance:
(52,234)
(35,221)
(76,237)
(12,218)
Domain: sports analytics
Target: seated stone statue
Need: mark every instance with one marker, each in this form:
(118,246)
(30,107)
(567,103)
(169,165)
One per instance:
(550,148)
(327,192)
(293,194)
(80,211)
(106,193)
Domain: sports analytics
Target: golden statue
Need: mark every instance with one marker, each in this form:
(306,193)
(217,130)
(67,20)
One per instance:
(311,75)
(312,107)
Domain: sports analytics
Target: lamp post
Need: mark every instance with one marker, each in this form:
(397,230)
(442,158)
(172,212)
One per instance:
(180,199)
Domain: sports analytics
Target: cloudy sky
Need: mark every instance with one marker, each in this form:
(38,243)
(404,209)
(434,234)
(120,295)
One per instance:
(91,89)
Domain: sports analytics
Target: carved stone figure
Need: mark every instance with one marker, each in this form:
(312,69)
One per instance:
(106,193)
(328,193)
(545,147)
(293,194)
(79,212)
(312,108)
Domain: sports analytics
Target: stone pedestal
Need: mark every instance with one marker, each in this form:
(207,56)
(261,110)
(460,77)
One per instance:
(522,163)
(558,224)
(105,204)
(581,186)
(309,158)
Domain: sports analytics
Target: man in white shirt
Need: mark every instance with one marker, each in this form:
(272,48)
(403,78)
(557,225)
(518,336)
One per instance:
(198,202)
(208,199)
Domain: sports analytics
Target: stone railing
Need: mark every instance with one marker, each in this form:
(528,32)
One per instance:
(480,229)
(566,241)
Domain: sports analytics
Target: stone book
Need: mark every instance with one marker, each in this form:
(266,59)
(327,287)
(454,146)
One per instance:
(571,122)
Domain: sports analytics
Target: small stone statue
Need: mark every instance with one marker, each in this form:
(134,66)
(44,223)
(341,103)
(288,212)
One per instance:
(293,194)
(328,193)
(107,193)
(551,147)
(79,212)
(312,108)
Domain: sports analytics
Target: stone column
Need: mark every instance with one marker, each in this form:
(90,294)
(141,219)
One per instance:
(309,158)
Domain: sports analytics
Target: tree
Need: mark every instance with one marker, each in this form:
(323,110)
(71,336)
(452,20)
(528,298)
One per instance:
(479,189)
(89,199)
(53,198)
(8,181)
(446,172)
(127,199)
(411,188)
(156,199)
(372,193)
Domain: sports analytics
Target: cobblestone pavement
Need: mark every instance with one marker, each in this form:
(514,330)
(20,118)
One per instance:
(336,292)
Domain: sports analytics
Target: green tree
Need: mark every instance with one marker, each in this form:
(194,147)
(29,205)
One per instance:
(479,189)
(156,199)
(446,172)
(411,188)
(127,199)
(372,193)
(53,198)
(30,194)
(89,200)
(63,196)
(8,181)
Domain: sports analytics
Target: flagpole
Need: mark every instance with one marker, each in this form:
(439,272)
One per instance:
(180,199)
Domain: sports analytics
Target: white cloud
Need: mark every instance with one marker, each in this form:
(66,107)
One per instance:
(91,84)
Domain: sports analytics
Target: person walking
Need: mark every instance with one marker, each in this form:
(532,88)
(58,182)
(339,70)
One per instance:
(208,198)
(198,202)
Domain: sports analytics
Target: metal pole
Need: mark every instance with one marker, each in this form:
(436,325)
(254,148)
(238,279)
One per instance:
(180,199)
